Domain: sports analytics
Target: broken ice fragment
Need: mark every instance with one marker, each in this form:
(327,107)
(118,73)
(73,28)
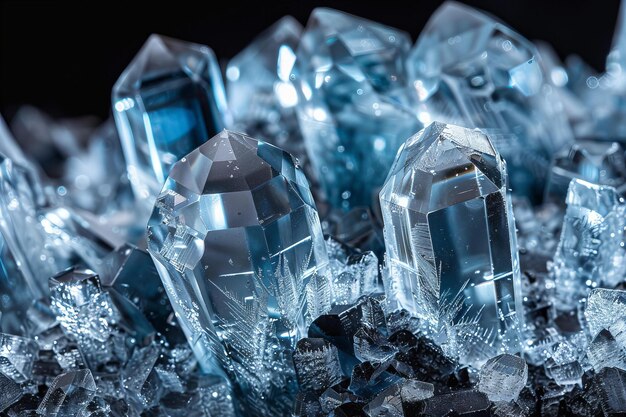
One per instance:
(17,355)
(610,383)
(10,391)
(168,101)
(502,378)
(355,273)
(317,364)
(605,352)
(450,236)
(604,307)
(370,345)
(69,394)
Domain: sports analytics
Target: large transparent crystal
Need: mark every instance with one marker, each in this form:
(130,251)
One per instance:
(167,102)
(261,97)
(450,236)
(470,69)
(238,245)
(592,249)
(350,78)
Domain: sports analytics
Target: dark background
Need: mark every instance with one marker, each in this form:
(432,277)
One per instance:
(65,56)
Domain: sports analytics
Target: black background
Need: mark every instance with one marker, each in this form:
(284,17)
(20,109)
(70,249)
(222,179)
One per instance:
(65,56)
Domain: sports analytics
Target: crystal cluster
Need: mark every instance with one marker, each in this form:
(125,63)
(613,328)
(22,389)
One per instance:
(436,229)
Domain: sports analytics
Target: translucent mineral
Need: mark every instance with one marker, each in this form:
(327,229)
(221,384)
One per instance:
(598,162)
(591,250)
(69,394)
(610,384)
(449,233)
(17,355)
(237,242)
(370,345)
(470,69)
(168,101)
(317,364)
(460,403)
(605,352)
(261,97)
(604,308)
(349,74)
(564,364)
(503,377)
(354,273)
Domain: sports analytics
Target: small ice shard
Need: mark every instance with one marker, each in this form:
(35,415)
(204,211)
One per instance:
(317,364)
(68,394)
(450,235)
(564,364)
(17,355)
(168,101)
(502,378)
(399,400)
(591,251)
(139,367)
(605,352)
(604,307)
(355,273)
(10,391)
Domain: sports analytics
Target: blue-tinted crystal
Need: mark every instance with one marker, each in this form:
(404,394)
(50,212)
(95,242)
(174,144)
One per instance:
(449,233)
(167,102)
(468,68)
(261,97)
(350,75)
(592,249)
(237,242)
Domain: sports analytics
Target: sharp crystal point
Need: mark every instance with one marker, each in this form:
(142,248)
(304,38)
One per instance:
(449,233)
(167,102)
(236,221)
(348,73)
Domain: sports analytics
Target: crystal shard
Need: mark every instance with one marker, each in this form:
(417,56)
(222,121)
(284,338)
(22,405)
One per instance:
(237,242)
(317,364)
(598,162)
(261,97)
(349,73)
(10,391)
(470,69)
(604,308)
(69,394)
(17,355)
(449,233)
(502,378)
(592,249)
(167,102)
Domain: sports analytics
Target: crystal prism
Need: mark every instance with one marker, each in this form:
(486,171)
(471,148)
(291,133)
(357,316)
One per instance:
(450,235)
(69,394)
(348,73)
(470,69)
(261,97)
(237,242)
(167,102)
(591,250)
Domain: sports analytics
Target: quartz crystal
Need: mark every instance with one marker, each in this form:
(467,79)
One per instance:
(591,250)
(470,69)
(261,97)
(598,162)
(168,101)
(503,377)
(449,233)
(350,78)
(238,245)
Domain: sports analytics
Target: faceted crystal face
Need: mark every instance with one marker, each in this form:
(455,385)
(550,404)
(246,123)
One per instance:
(470,69)
(350,75)
(598,162)
(449,231)
(167,102)
(237,241)
(261,97)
